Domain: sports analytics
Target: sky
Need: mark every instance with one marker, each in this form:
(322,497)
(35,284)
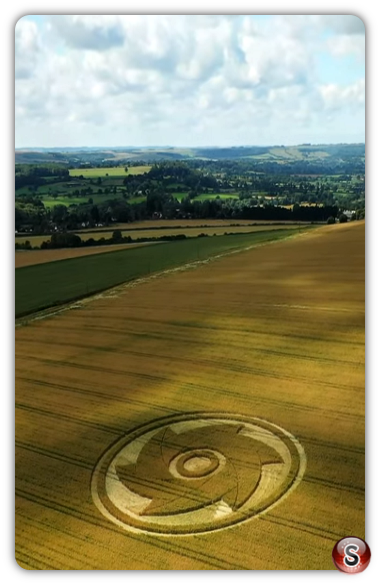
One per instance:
(188,80)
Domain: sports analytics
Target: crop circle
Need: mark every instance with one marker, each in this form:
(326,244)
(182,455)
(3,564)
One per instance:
(195,473)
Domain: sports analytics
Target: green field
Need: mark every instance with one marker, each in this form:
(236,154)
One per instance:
(180,195)
(52,201)
(63,199)
(62,192)
(110,171)
(206,196)
(139,199)
(210,196)
(58,187)
(67,201)
(45,285)
(65,192)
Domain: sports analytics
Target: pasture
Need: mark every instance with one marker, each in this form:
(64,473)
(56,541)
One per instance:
(66,200)
(275,332)
(211,196)
(94,173)
(206,196)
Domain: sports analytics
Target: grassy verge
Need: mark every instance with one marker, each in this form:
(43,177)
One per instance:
(45,285)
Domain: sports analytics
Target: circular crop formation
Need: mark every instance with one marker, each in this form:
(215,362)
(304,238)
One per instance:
(196,472)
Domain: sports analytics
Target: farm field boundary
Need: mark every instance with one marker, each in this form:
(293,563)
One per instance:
(33,257)
(43,286)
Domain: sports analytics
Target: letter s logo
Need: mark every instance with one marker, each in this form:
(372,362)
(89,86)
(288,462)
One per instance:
(351,555)
(350,558)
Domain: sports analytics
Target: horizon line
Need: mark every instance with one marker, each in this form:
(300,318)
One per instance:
(188,147)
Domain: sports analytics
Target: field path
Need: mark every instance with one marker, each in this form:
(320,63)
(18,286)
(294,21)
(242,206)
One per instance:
(276,332)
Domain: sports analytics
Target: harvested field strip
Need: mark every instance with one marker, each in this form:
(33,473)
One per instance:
(32,257)
(46,285)
(189,232)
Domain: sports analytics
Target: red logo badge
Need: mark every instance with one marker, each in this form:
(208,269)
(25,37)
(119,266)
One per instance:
(351,555)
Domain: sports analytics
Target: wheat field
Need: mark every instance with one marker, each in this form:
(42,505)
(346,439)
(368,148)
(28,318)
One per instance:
(275,333)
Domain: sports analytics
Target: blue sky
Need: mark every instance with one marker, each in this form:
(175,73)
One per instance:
(189,80)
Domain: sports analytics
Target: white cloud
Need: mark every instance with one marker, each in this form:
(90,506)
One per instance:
(308,27)
(338,97)
(275,63)
(343,45)
(166,79)
(89,32)
(26,48)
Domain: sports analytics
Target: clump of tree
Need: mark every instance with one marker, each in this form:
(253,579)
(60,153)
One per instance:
(24,245)
(40,174)
(69,240)
(117,236)
(62,240)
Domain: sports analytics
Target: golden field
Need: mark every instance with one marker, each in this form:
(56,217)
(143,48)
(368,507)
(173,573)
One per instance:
(153,231)
(31,257)
(188,232)
(276,332)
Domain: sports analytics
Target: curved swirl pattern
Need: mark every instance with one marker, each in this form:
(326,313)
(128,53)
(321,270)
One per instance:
(233,482)
(196,472)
